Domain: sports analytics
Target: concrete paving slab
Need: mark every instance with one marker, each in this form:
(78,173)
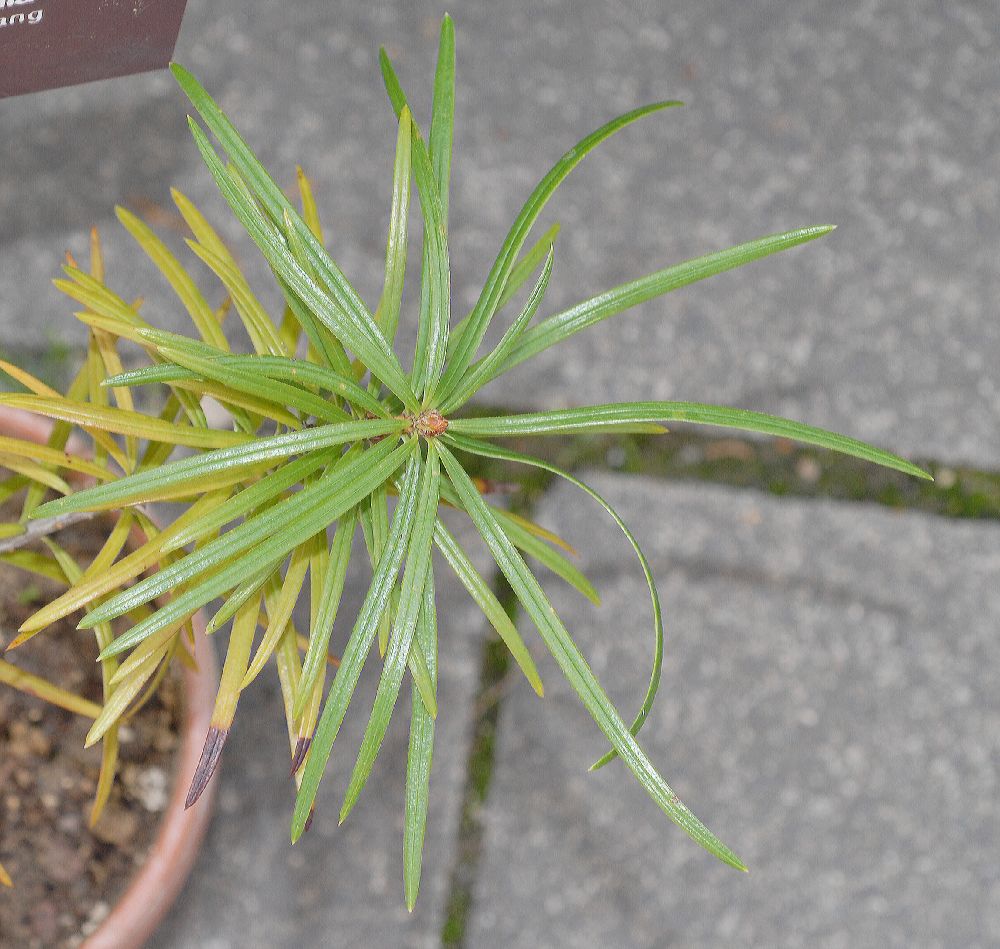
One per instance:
(337,886)
(828,708)
(876,118)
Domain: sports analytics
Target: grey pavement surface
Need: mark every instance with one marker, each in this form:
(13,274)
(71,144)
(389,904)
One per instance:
(339,886)
(828,708)
(878,116)
(827,703)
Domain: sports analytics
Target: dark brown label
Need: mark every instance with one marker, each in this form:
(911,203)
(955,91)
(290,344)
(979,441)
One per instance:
(50,43)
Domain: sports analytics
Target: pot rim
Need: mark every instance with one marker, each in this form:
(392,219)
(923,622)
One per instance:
(161,877)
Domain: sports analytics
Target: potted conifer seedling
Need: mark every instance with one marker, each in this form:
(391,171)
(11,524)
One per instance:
(330,436)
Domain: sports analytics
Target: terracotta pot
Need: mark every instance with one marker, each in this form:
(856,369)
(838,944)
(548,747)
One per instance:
(160,879)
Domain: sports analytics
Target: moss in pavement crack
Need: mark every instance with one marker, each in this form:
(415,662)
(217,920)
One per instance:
(495,665)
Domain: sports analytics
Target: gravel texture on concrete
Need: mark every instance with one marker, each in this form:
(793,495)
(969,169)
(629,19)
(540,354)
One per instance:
(825,708)
(342,885)
(875,117)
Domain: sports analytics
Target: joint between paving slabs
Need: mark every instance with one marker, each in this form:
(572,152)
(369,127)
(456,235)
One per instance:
(496,671)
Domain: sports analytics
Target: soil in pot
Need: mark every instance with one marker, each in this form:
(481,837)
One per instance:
(67,876)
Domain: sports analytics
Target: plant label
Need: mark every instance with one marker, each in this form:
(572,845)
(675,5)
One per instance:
(45,44)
